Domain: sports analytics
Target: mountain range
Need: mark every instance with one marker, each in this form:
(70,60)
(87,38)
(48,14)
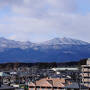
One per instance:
(54,50)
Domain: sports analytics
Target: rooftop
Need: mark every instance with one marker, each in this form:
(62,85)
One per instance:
(66,68)
(52,82)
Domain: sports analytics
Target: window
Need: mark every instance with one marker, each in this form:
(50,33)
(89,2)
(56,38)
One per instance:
(43,88)
(38,88)
(31,89)
(49,89)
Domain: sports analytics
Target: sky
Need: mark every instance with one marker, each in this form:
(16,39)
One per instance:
(41,20)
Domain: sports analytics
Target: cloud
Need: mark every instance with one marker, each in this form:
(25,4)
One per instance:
(39,20)
(39,8)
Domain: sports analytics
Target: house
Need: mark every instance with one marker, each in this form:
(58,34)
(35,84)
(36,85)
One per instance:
(76,86)
(7,88)
(48,84)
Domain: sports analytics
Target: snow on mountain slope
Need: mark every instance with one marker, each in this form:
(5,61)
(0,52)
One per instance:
(5,43)
(55,43)
(55,50)
(64,40)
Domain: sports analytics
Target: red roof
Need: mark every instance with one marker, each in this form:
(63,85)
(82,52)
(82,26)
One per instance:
(52,82)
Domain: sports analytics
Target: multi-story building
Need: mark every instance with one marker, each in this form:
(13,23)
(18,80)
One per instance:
(85,69)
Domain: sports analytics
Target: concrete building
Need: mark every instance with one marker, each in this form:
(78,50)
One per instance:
(85,73)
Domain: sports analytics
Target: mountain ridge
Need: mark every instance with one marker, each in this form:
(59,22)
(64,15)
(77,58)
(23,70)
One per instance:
(55,50)
(66,41)
(53,41)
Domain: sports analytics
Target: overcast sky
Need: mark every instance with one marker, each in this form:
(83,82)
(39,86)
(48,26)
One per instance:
(40,20)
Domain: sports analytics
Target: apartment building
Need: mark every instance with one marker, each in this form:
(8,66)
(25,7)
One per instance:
(85,73)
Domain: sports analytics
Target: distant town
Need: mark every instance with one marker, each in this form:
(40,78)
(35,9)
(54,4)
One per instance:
(45,76)
(56,64)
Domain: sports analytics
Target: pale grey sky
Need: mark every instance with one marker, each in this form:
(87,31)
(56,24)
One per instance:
(40,20)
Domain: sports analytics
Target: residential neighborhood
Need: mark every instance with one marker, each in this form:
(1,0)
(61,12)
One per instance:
(44,44)
(56,78)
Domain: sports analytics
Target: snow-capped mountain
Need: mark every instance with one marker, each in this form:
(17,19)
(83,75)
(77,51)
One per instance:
(55,50)
(64,40)
(5,43)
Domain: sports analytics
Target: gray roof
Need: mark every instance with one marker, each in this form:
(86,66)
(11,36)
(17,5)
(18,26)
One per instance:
(3,74)
(75,86)
(65,68)
(6,87)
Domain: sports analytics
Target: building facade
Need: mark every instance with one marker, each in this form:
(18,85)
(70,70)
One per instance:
(85,73)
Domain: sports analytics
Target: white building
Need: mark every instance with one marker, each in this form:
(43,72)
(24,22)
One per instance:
(85,69)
